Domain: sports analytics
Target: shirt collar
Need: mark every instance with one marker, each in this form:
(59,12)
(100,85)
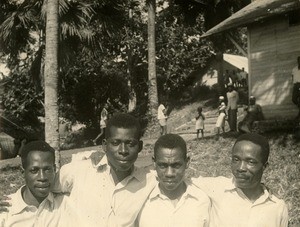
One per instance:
(19,204)
(266,192)
(190,192)
(137,173)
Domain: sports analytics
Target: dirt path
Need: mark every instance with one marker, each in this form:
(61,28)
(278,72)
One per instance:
(144,159)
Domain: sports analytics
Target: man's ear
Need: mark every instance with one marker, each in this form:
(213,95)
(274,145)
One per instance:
(140,145)
(265,165)
(188,159)
(104,143)
(153,159)
(22,170)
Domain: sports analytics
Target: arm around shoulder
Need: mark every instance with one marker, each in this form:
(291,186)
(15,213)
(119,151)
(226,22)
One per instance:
(284,220)
(64,179)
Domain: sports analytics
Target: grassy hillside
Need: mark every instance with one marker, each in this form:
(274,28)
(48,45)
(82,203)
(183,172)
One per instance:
(212,158)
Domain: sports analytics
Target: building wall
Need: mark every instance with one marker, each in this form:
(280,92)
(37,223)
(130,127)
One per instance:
(273,48)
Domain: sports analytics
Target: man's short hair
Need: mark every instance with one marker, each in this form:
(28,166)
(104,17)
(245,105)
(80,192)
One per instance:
(258,140)
(37,145)
(170,141)
(123,120)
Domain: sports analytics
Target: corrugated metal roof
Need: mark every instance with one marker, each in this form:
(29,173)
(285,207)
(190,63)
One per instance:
(256,11)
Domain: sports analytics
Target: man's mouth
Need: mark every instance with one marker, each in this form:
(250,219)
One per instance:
(42,187)
(241,177)
(169,181)
(123,160)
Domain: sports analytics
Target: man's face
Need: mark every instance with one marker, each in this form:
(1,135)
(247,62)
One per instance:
(170,165)
(39,173)
(247,165)
(252,101)
(122,148)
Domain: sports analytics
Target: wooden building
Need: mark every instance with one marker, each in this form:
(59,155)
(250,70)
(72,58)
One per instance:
(273,47)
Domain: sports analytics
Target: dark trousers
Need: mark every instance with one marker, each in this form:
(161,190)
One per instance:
(296,97)
(232,118)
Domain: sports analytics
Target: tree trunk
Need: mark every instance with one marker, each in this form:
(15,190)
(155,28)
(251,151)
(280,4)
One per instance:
(132,94)
(152,84)
(51,78)
(220,59)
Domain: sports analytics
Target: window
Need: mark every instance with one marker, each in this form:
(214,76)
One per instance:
(294,18)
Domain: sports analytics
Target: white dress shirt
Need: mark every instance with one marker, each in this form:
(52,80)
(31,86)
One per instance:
(231,207)
(96,197)
(54,211)
(233,98)
(191,210)
(160,112)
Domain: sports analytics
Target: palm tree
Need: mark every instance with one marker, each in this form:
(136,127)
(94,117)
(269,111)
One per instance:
(81,26)
(51,77)
(152,84)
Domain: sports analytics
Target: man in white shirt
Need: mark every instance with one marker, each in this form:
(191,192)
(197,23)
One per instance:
(162,118)
(243,201)
(296,86)
(174,201)
(103,121)
(232,98)
(33,204)
(112,192)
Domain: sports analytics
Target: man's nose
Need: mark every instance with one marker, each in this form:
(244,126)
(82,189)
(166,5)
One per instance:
(42,175)
(169,172)
(123,148)
(242,166)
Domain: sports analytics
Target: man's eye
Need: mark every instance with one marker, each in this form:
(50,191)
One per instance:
(176,166)
(115,142)
(131,143)
(234,159)
(162,165)
(252,162)
(49,170)
(33,171)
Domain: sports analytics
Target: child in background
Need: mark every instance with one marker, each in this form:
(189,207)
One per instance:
(222,114)
(200,122)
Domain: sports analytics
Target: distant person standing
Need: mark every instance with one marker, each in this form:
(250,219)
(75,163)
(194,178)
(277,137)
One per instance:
(244,77)
(220,124)
(234,78)
(64,129)
(103,121)
(200,122)
(239,78)
(296,87)
(162,118)
(233,98)
(226,77)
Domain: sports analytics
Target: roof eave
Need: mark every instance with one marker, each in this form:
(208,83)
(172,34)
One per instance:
(254,12)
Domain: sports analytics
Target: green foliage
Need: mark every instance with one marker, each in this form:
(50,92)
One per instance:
(179,51)
(102,48)
(22,104)
(88,84)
